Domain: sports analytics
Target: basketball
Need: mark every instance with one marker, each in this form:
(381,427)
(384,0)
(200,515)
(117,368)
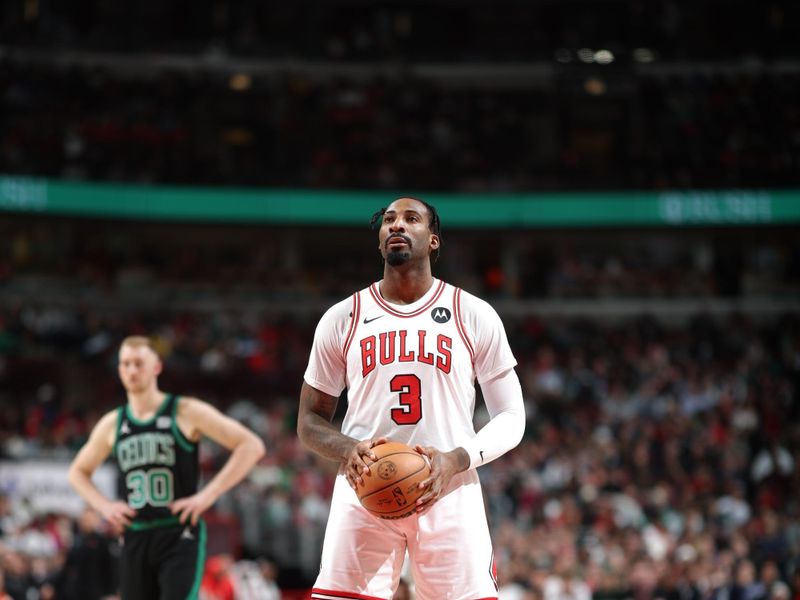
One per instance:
(390,489)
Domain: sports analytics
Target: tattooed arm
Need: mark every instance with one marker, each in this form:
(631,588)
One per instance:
(315,430)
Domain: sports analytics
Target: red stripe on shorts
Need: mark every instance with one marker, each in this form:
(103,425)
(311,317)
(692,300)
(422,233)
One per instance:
(326,594)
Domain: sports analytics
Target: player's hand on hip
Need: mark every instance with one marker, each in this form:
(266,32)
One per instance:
(444,465)
(190,508)
(356,465)
(118,514)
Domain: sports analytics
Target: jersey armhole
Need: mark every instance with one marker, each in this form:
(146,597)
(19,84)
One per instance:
(351,332)
(120,412)
(462,330)
(185,443)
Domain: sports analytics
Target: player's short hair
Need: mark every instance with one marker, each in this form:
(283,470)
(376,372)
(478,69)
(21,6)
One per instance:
(139,341)
(434,222)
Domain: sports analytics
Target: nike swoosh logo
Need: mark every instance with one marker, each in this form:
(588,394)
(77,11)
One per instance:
(366,320)
(481,453)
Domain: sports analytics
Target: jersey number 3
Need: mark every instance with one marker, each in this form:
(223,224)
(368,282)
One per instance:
(410,411)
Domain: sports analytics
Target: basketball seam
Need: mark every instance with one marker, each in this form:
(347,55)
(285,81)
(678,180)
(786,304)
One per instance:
(391,484)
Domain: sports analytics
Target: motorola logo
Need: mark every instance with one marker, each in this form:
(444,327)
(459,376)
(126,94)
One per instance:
(440,315)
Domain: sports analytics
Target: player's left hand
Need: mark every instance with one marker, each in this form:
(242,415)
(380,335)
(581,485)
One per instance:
(190,508)
(444,465)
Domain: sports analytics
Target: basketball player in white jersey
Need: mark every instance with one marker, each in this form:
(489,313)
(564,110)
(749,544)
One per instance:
(408,349)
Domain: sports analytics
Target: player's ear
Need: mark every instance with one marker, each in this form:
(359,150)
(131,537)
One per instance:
(159,367)
(435,242)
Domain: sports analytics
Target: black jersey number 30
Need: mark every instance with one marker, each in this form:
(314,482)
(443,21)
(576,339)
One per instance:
(410,410)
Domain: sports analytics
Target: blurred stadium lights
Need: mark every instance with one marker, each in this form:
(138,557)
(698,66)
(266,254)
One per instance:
(586,55)
(595,86)
(601,57)
(240,82)
(604,57)
(519,74)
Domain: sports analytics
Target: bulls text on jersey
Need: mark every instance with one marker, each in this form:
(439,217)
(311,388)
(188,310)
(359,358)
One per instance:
(391,346)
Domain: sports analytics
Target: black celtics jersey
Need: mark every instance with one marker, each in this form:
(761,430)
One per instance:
(157,463)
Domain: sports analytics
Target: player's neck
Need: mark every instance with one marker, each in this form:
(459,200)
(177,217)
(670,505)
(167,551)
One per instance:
(144,404)
(405,286)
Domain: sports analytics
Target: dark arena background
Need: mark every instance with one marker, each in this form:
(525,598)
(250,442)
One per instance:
(620,179)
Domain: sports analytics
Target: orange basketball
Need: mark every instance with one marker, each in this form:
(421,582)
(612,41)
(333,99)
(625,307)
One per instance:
(390,489)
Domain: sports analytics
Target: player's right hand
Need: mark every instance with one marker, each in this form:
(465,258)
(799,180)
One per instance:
(355,465)
(118,514)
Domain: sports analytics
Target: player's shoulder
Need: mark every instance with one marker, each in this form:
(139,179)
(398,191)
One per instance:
(472,305)
(193,413)
(106,427)
(341,309)
(341,313)
(109,419)
(188,404)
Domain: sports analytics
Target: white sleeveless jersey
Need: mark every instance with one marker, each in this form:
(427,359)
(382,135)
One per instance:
(410,370)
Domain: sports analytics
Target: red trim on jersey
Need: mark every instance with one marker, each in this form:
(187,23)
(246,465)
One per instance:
(460,324)
(376,294)
(493,571)
(353,324)
(343,595)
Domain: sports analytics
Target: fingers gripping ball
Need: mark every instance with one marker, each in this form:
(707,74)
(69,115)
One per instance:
(391,488)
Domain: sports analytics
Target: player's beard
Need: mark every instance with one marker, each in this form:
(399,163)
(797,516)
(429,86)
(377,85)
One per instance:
(395,258)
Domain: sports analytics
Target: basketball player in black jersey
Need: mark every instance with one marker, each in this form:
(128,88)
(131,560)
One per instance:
(154,440)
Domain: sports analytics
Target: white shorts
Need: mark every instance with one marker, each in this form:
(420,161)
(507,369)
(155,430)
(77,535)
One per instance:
(448,545)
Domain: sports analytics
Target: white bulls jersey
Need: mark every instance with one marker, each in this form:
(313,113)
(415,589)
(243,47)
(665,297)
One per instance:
(410,370)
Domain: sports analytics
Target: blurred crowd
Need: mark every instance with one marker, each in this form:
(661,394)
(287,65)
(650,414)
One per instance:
(660,460)
(58,557)
(433,31)
(184,265)
(581,131)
